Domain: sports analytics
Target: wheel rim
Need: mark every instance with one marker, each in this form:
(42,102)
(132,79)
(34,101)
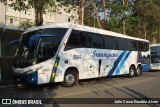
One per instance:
(69,79)
(132,72)
(138,71)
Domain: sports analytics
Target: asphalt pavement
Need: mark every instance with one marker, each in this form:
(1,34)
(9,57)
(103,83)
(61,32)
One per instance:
(147,86)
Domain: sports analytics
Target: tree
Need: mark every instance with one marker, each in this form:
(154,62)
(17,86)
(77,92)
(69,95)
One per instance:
(148,24)
(40,6)
(82,5)
(26,24)
(120,16)
(79,4)
(93,3)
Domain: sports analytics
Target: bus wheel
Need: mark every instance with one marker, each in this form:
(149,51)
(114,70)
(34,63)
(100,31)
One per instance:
(131,72)
(70,79)
(138,72)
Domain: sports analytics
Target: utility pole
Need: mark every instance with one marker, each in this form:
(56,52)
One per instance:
(5,16)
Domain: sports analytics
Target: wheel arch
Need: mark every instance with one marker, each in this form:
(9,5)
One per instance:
(74,69)
(139,65)
(132,65)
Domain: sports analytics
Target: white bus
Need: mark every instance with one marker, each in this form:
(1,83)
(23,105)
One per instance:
(67,53)
(155,56)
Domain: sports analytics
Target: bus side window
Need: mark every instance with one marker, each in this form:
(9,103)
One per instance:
(83,40)
(140,46)
(132,45)
(94,40)
(121,42)
(110,42)
(146,46)
(73,40)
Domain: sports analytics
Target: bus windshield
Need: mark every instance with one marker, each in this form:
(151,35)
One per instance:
(155,54)
(27,53)
(155,57)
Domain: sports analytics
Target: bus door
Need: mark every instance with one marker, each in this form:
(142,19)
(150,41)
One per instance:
(46,51)
(105,67)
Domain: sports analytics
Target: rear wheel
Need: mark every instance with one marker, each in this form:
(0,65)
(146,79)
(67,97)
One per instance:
(138,72)
(70,79)
(131,72)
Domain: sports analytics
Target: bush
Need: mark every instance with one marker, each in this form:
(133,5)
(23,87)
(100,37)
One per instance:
(26,24)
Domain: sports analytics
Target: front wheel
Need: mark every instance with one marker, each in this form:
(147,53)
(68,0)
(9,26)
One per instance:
(70,79)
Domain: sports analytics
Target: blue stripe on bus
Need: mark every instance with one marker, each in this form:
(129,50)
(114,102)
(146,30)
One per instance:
(145,67)
(116,63)
(122,63)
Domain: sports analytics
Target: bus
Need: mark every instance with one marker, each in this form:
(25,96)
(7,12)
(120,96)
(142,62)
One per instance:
(155,56)
(68,53)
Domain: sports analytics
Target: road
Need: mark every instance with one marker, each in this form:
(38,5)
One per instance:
(145,86)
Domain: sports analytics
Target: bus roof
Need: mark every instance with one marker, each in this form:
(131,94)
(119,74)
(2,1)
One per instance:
(84,28)
(157,44)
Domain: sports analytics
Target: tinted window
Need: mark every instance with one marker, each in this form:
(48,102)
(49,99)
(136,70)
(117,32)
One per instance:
(122,44)
(146,46)
(26,37)
(47,48)
(155,48)
(55,31)
(155,57)
(93,40)
(83,40)
(140,46)
(73,40)
(132,45)
(110,42)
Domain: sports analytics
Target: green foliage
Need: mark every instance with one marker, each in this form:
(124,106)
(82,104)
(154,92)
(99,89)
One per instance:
(149,18)
(26,24)
(139,18)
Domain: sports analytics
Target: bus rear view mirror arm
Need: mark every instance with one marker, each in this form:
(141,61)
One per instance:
(12,43)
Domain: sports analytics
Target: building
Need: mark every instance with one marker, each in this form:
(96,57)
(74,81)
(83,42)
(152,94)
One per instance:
(11,19)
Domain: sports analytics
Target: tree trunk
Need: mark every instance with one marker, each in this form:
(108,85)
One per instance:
(81,11)
(124,22)
(38,17)
(124,27)
(96,12)
(145,32)
(104,10)
(80,14)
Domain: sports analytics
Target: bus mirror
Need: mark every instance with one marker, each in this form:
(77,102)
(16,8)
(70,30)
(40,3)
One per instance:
(12,43)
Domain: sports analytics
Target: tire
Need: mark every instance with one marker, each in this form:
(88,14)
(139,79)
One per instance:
(138,72)
(70,79)
(131,72)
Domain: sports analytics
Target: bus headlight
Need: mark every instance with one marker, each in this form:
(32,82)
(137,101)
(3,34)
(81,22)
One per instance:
(33,70)
(29,72)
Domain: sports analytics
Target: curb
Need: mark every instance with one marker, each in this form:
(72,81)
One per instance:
(8,83)
(8,86)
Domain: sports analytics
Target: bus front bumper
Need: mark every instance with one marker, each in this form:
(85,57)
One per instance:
(155,67)
(27,77)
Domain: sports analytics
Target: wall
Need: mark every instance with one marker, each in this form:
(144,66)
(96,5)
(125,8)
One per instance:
(7,56)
